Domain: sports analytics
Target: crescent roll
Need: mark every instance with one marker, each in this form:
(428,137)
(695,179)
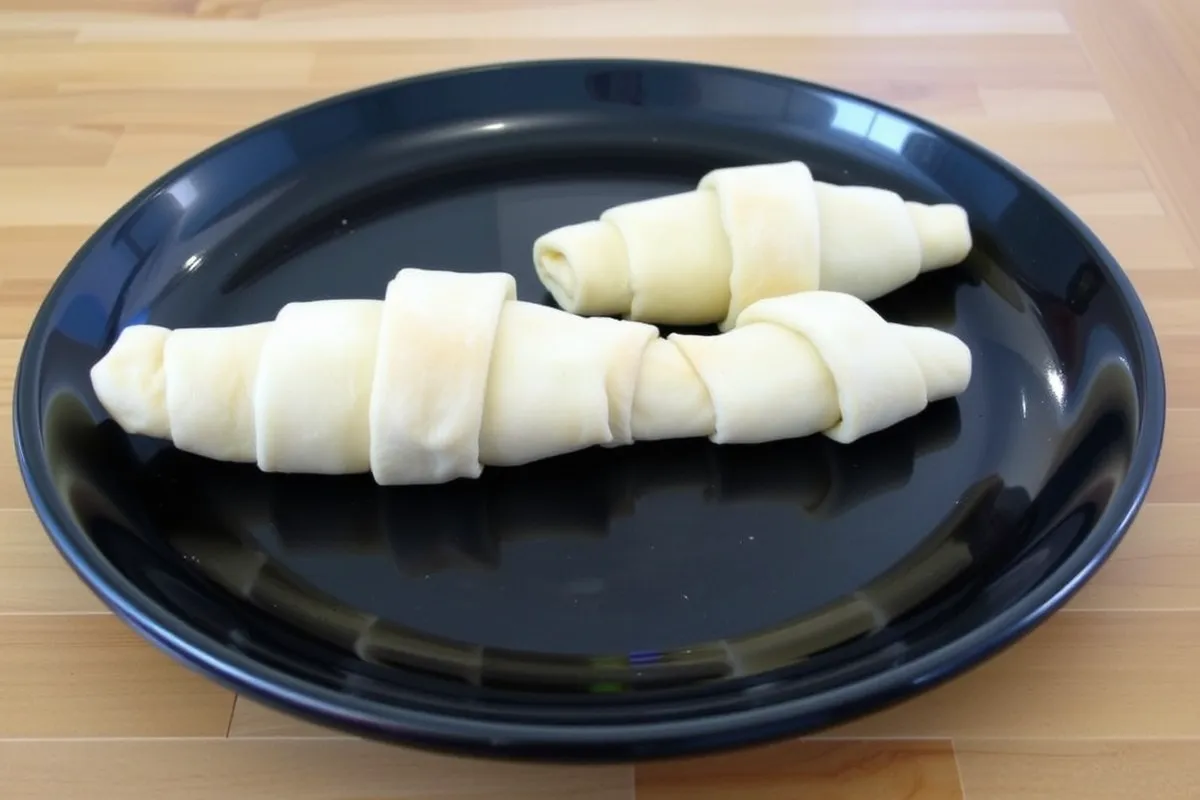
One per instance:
(450,373)
(743,235)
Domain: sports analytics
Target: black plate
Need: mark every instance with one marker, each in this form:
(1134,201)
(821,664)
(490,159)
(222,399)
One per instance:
(644,601)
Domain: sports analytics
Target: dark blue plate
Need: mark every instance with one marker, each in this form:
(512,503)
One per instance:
(615,604)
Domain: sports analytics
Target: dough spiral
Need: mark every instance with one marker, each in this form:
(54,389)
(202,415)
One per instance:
(450,373)
(745,234)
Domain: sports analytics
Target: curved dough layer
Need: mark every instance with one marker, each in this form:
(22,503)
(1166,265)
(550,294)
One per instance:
(312,392)
(449,374)
(437,335)
(209,376)
(745,234)
(559,383)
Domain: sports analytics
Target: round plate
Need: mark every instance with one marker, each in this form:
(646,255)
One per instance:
(612,604)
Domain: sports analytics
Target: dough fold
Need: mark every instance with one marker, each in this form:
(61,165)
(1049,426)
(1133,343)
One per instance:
(745,234)
(449,374)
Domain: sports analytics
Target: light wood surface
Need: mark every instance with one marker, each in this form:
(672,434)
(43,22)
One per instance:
(1099,99)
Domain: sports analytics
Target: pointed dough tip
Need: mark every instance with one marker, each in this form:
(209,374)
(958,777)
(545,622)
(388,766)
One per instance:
(945,360)
(129,381)
(944,232)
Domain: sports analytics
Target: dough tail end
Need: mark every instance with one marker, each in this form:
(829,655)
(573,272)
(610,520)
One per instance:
(130,383)
(944,233)
(585,268)
(945,360)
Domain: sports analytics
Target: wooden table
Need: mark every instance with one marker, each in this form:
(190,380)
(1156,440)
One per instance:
(1100,99)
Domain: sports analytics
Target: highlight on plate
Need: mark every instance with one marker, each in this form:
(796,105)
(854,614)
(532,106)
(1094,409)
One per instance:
(450,373)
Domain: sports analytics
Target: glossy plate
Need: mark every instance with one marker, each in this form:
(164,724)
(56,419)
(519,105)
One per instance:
(613,604)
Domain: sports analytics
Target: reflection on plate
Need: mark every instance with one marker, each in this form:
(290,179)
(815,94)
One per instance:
(211,511)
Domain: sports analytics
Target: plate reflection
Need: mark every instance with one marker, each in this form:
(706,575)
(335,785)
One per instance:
(209,512)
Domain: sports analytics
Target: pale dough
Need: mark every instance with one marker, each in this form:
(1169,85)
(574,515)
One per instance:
(876,378)
(210,374)
(313,391)
(766,383)
(745,234)
(849,249)
(770,214)
(435,350)
(670,401)
(659,236)
(558,383)
(130,383)
(450,374)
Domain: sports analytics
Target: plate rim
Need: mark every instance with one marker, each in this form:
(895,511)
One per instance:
(592,741)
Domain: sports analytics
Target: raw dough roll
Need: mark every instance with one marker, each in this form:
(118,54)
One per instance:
(745,234)
(313,389)
(427,401)
(450,373)
(559,383)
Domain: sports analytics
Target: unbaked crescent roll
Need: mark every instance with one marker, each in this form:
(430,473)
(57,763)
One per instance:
(449,373)
(745,234)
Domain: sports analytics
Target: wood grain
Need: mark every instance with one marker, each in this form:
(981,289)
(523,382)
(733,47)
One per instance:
(220,769)
(1084,674)
(1178,467)
(1098,99)
(1156,567)
(831,770)
(1145,52)
(34,579)
(1097,770)
(90,675)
